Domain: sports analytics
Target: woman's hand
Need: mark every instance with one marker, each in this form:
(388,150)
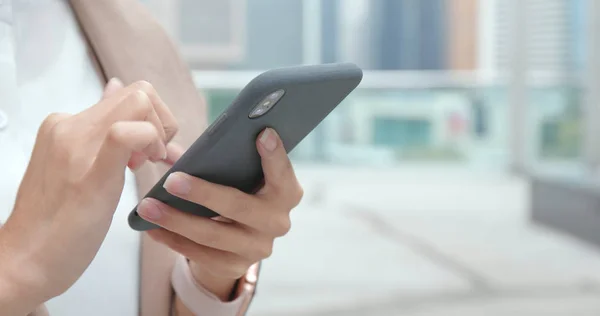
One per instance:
(225,247)
(71,189)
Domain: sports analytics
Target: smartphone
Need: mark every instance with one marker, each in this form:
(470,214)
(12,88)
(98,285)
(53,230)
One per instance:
(291,100)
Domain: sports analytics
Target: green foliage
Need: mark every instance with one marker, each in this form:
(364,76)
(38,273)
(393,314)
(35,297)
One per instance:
(561,139)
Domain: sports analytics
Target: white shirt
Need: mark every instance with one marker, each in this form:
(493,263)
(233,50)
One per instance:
(45,68)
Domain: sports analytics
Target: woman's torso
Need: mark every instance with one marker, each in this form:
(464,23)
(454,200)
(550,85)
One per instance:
(45,67)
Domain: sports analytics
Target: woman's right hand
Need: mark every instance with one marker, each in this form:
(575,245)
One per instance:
(71,189)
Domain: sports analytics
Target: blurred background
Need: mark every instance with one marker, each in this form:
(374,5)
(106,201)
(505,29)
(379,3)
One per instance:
(460,178)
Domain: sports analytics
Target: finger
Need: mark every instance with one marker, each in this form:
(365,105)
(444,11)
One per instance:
(136,102)
(124,138)
(204,231)
(136,160)
(139,106)
(229,202)
(277,168)
(225,264)
(167,119)
(112,86)
(174,152)
(169,123)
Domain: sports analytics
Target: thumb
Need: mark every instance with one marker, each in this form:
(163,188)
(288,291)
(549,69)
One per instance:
(113,85)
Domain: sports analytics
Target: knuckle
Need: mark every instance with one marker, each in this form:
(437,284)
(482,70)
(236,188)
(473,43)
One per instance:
(49,123)
(297,194)
(280,225)
(62,147)
(113,134)
(265,250)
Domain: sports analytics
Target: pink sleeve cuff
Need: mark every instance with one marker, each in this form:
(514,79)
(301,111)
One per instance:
(199,300)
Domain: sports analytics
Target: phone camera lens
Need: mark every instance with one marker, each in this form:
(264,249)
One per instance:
(266,104)
(274,95)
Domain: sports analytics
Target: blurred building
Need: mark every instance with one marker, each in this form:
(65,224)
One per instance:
(274,31)
(463,28)
(409,34)
(440,38)
(386,34)
(577,32)
(436,36)
(553,34)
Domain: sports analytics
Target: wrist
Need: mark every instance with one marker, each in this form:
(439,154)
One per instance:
(220,287)
(11,302)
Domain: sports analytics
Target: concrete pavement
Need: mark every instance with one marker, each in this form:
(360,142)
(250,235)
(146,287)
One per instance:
(423,241)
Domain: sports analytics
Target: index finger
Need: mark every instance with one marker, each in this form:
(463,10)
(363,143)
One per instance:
(167,120)
(228,202)
(169,123)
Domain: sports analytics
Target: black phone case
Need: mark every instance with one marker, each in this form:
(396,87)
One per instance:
(226,152)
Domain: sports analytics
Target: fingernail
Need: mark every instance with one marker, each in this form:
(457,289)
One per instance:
(165,152)
(177,184)
(268,139)
(149,210)
(113,84)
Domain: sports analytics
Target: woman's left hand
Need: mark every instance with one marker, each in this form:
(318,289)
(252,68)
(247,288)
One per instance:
(227,246)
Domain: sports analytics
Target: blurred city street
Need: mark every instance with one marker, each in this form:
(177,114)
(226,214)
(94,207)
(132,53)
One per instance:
(419,185)
(423,241)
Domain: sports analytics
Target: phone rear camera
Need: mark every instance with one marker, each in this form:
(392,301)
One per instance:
(275,95)
(266,104)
